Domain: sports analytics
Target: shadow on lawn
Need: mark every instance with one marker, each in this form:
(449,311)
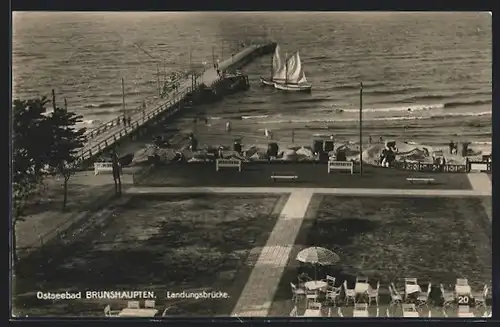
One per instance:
(184,255)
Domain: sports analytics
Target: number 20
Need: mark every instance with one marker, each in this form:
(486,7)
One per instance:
(463,299)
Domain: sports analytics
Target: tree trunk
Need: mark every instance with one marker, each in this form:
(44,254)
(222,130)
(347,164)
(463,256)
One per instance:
(119,184)
(65,199)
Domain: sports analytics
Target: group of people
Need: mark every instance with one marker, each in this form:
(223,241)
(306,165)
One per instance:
(127,121)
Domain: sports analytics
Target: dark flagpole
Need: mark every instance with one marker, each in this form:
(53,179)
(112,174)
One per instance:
(361,128)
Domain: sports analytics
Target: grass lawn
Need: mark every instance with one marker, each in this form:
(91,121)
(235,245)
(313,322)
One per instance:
(44,212)
(159,243)
(309,175)
(389,238)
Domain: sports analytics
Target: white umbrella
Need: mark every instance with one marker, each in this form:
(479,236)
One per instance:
(318,256)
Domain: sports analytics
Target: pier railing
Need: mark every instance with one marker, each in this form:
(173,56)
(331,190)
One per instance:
(97,147)
(97,142)
(118,119)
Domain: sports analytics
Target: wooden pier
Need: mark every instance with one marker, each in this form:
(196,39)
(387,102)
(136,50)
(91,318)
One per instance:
(109,134)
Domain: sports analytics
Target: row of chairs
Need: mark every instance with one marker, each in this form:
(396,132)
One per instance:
(333,294)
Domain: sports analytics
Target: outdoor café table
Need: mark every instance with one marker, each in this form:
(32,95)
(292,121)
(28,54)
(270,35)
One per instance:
(129,312)
(361,288)
(315,285)
(312,313)
(462,289)
(409,310)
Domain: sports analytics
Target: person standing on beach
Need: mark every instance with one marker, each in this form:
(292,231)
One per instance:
(124,121)
(228,127)
(451,146)
(370,139)
(206,120)
(129,120)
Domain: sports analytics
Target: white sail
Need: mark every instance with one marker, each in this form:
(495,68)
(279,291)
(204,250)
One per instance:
(295,73)
(279,71)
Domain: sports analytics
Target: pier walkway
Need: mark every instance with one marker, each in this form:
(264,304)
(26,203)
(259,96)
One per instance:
(108,134)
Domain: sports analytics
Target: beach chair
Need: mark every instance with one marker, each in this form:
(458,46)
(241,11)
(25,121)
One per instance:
(423,297)
(448,297)
(133,305)
(293,313)
(396,298)
(350,294)
(373,294)
(110,313)
(150,304)
(480,297)
(297,292)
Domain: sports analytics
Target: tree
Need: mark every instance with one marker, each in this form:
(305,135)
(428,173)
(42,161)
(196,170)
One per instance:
(31,144)
(67,139)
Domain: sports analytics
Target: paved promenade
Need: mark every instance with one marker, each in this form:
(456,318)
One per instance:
(258,294)
(332,191)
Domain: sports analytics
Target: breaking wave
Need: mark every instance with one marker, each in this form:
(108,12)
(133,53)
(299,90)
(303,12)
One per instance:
(103,105)
(323,120)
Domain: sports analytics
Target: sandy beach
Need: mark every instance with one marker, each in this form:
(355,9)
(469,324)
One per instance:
(213,134)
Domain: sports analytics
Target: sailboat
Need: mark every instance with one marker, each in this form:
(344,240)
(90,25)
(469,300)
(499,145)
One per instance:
(277,69)
(295,78)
